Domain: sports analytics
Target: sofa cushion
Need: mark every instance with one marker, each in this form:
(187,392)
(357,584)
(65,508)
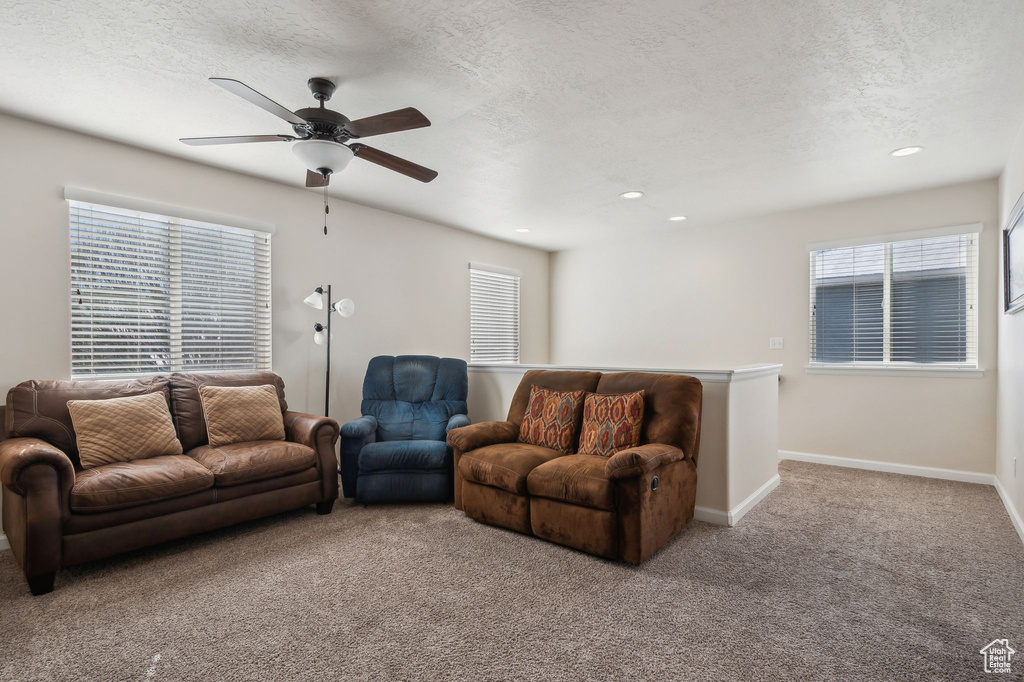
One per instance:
(611,423)
(556,380)
(187,406)
(39,409)
(123,429)
(253,461)
(579,479)
(504,465)
(241,414)
(404,454)
(141,481)
(672,405)
(552,419)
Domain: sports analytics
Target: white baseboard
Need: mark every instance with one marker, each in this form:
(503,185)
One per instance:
(732,517)
(740,510)
(891,468)
(913,470)
(708,515)
(1015,519)
(4,544)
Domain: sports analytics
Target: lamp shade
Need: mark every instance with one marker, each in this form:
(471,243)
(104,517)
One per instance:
(317,154)
(320,337)
(345,307)
(315,299)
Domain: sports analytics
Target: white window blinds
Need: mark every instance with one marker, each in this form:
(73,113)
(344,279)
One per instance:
(494,315)
(153,293)
(907,301)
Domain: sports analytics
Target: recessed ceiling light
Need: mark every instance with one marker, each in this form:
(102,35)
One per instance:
(677,218)
(905,151)
(632,194)
(522,230)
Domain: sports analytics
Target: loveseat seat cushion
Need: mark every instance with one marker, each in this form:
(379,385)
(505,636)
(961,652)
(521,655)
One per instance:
(504,465)
(253,461)
(577,479)
(141,481)
(403,455)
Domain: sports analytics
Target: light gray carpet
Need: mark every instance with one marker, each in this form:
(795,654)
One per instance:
(839,574)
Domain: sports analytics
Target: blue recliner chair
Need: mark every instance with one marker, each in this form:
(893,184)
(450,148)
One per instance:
(398,451)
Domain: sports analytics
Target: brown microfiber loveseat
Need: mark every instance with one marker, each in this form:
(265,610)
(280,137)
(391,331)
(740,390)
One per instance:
(621,507)
(56,514)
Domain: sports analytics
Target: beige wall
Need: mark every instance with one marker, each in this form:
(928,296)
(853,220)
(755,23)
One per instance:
(409,278)
(1010,436)
(713,295)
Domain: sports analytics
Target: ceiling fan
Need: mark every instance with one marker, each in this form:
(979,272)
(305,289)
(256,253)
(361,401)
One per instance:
(322,136)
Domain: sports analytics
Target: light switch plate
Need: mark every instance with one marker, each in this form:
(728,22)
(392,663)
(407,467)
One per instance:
(775,343)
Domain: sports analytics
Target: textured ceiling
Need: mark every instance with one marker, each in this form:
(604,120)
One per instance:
(543,112)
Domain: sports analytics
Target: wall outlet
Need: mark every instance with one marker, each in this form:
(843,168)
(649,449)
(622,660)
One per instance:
(775,343)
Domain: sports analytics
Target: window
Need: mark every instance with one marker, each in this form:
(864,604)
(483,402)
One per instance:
(900,303)
(153,293)
(494,315)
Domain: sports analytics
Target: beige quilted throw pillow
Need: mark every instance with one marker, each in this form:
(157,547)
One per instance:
(239,414)
(123,429)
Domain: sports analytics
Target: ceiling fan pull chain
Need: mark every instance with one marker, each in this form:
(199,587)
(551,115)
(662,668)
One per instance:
(327,209)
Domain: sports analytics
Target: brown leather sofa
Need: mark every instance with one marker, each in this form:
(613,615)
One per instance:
(56,514)
(621,507)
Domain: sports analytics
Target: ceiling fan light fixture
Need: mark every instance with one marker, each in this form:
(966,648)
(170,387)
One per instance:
(318,154)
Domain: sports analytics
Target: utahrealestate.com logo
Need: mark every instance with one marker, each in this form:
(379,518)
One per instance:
(997,655)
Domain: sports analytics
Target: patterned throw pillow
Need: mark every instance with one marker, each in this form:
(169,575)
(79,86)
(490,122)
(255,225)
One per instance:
(551,419)
(123,429)
(239,414)
(611,423)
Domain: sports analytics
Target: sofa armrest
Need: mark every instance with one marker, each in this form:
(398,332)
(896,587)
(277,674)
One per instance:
(311,430)
(478,435)
(18,454)
(640,460)
(457,422)
(321,434)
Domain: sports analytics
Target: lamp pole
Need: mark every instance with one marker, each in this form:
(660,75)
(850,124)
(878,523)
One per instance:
(327,386)
(345,307)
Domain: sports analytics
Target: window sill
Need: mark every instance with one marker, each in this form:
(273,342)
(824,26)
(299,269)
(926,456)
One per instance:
(946,371)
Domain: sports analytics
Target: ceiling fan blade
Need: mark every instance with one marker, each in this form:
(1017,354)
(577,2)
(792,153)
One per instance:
(314,179)
(262,101)
(392,162)
(236,139)
(391,122)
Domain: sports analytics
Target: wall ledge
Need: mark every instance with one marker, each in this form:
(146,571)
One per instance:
(721,376)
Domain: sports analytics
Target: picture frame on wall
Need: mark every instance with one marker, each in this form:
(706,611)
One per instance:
(1013,260)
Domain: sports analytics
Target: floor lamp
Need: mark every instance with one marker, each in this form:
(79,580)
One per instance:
(322,334)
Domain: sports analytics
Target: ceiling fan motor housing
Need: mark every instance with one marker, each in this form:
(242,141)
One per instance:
(321,88)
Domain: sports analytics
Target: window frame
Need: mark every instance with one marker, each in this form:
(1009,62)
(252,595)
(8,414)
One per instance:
(504,272)
(886,367)
(177,221)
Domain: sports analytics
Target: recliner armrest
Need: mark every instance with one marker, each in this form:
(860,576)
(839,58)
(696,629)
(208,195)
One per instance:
(355,435)
(18,454)
(478,435)
(640,460)
(364,427)
(457,422)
